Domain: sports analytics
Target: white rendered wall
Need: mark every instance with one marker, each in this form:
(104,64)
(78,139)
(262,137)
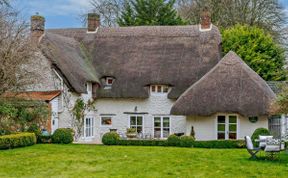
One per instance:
(54,114)
(157,105)
(206,127)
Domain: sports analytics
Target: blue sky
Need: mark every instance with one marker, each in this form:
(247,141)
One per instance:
(64,13)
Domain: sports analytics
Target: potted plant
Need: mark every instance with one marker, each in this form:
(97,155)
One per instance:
(131,133)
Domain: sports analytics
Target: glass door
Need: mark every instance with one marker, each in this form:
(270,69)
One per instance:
(227,127)
(89,127)
(161,127)
(136,121)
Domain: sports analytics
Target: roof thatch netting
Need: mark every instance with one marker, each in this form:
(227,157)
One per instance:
(230,87)
(140,56)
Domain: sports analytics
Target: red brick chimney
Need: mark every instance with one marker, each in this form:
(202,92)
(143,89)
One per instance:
(37,27)
(93,22)
(205,20)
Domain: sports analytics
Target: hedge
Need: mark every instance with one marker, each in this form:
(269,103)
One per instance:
(17,140)
(219,144)
(256,133)
(142,142)
(110,138)
(63,136)
(185,143)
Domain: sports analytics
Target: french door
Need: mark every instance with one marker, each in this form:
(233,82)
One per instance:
(136,121)
(161,127)
(227,127)
(89,127)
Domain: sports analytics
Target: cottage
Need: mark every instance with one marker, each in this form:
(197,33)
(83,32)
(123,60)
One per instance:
(157,79)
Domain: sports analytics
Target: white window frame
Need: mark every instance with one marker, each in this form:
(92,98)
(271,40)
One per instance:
(108,85)
(161,126)
(136,115)
(227,126)
(92,118)
(156,89)
(106,125)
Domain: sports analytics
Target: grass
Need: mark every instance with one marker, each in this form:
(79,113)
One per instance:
(131,161)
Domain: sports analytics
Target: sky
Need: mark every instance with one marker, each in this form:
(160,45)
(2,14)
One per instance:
(64,13)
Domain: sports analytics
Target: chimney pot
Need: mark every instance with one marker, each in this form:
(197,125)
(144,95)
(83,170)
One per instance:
(93,21)
(205,20)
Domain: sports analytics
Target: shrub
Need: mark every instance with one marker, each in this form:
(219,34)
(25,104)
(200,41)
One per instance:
(110,138)
(186,141)
(173,140)
(17,140)
(257,132)
(63,135)
(142,142)
(36,130)
(219,144)
(4,132)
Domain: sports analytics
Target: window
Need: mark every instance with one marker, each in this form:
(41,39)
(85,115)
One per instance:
(89,127)
(159,89)
(161,127)
(106,121)
(108,82)
(136,121)
(227,127)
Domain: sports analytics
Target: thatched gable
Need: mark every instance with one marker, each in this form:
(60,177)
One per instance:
(230,87)
(140,56)
(67,55)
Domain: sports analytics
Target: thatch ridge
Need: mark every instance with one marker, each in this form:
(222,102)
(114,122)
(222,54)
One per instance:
(230,87)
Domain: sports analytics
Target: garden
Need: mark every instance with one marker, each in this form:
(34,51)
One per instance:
(73,160)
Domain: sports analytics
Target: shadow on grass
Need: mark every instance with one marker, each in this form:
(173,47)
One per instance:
(281,158)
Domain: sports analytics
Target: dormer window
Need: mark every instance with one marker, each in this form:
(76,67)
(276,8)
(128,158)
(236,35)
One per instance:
(159,89)
(108,82)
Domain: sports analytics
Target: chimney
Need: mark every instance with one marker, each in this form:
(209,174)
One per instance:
(93,21)
(37,27)
(205,20)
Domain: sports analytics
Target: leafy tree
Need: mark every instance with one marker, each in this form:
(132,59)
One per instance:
(149,12)
(266,14)
(257,49)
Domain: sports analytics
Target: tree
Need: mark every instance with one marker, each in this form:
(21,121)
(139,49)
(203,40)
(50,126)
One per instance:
(280,105)
(149,12)
(266,14)
(16,52)
(108,10)
(4,3)
(257,49)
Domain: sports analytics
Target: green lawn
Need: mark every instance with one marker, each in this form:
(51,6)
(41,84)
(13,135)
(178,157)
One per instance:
(131,161)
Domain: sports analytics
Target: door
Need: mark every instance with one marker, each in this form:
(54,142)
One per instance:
(227,127)
(161,127)
(89,127)
(54,122)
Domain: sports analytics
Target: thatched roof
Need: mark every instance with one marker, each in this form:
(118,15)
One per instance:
(230,87)
(69,56)
(137,57)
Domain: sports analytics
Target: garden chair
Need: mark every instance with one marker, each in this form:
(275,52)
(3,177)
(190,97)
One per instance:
(250,148)
(273,148)
(263,140)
